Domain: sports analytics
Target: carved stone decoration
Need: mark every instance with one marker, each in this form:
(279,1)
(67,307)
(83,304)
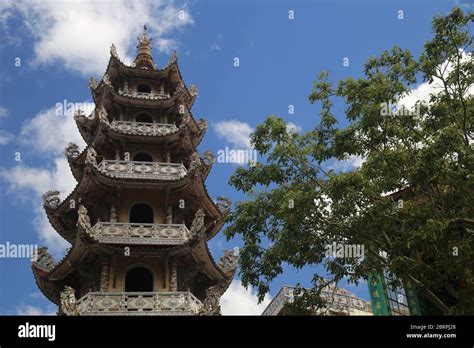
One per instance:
(72,151)
(91,156)
(211,304)
(102,114)
(169,215)
(209,158)
(197,226)
(195,161)
(93,83)
(106,80)
(224,204)
(113,51)
(202,125)
(143,170)
(193,91)
(228,261)
(184,120)
(173,277)
(68,301)
(104,276)
(83,220)
(51,199)
(44,260)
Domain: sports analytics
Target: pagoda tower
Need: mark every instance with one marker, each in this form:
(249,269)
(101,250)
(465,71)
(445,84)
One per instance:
(140,216)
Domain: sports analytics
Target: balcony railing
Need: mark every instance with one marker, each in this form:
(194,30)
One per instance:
(141,128)
(139,303)
(143,95)
(143,170)
(139,233)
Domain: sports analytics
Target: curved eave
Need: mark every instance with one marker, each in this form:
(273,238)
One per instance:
(202,254)
(210,207)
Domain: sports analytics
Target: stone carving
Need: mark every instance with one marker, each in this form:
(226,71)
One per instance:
(144,234)
(184,120)
(83,220)
(91,156)
(193,90)
(93,83)
(119,303)
(146,129)
(113,51)
(44,259)
(169,215)
(51,199)
(143,170)
(211,304)
(228,261)
(106,80)
(195,161)
(142,95)
(102,114)
(202,125)
(197,226)
(72,151)
(68,301)
(209,158)
(224,204)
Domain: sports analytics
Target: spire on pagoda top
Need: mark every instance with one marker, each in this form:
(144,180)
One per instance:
(144,59)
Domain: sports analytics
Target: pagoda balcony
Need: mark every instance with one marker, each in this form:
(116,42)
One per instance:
(144,95)
(140,233)
(142,128)
(139,303)
(143,170)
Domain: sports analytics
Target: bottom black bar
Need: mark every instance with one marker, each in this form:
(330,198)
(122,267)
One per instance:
(293,331)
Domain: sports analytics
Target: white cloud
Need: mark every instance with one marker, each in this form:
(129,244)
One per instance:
(215,47)
(292,127)
(45,135)
(5,137)
(24,309)
(351,162)
(423,91)
(3,112)
(240,301)
(235,132)
(78,33)
(49,133)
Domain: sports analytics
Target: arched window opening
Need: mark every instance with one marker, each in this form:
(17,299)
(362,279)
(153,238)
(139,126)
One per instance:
(143,88)
(141,213)
(142,157)
(139,279)
(144,118)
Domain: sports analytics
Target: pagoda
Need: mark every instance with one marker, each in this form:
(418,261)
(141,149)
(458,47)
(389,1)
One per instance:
(140,216)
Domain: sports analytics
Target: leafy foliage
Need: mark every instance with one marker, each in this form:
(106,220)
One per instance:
(297,206)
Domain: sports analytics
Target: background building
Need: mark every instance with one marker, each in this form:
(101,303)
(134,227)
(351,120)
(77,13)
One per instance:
(339,302)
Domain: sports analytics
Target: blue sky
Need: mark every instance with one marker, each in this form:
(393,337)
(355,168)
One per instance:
(61,44)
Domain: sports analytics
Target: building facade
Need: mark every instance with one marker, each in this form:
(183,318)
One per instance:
(140,217)
(338,302)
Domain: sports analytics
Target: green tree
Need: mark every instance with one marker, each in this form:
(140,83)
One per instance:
(296,206)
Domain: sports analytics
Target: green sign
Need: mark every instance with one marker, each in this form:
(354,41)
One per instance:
(378,295)
(412,298)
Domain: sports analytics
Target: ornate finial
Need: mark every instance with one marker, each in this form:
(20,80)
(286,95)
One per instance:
(72,151)
(228,261)
(93,83)
(51,199)
(113,51)
(144,38)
